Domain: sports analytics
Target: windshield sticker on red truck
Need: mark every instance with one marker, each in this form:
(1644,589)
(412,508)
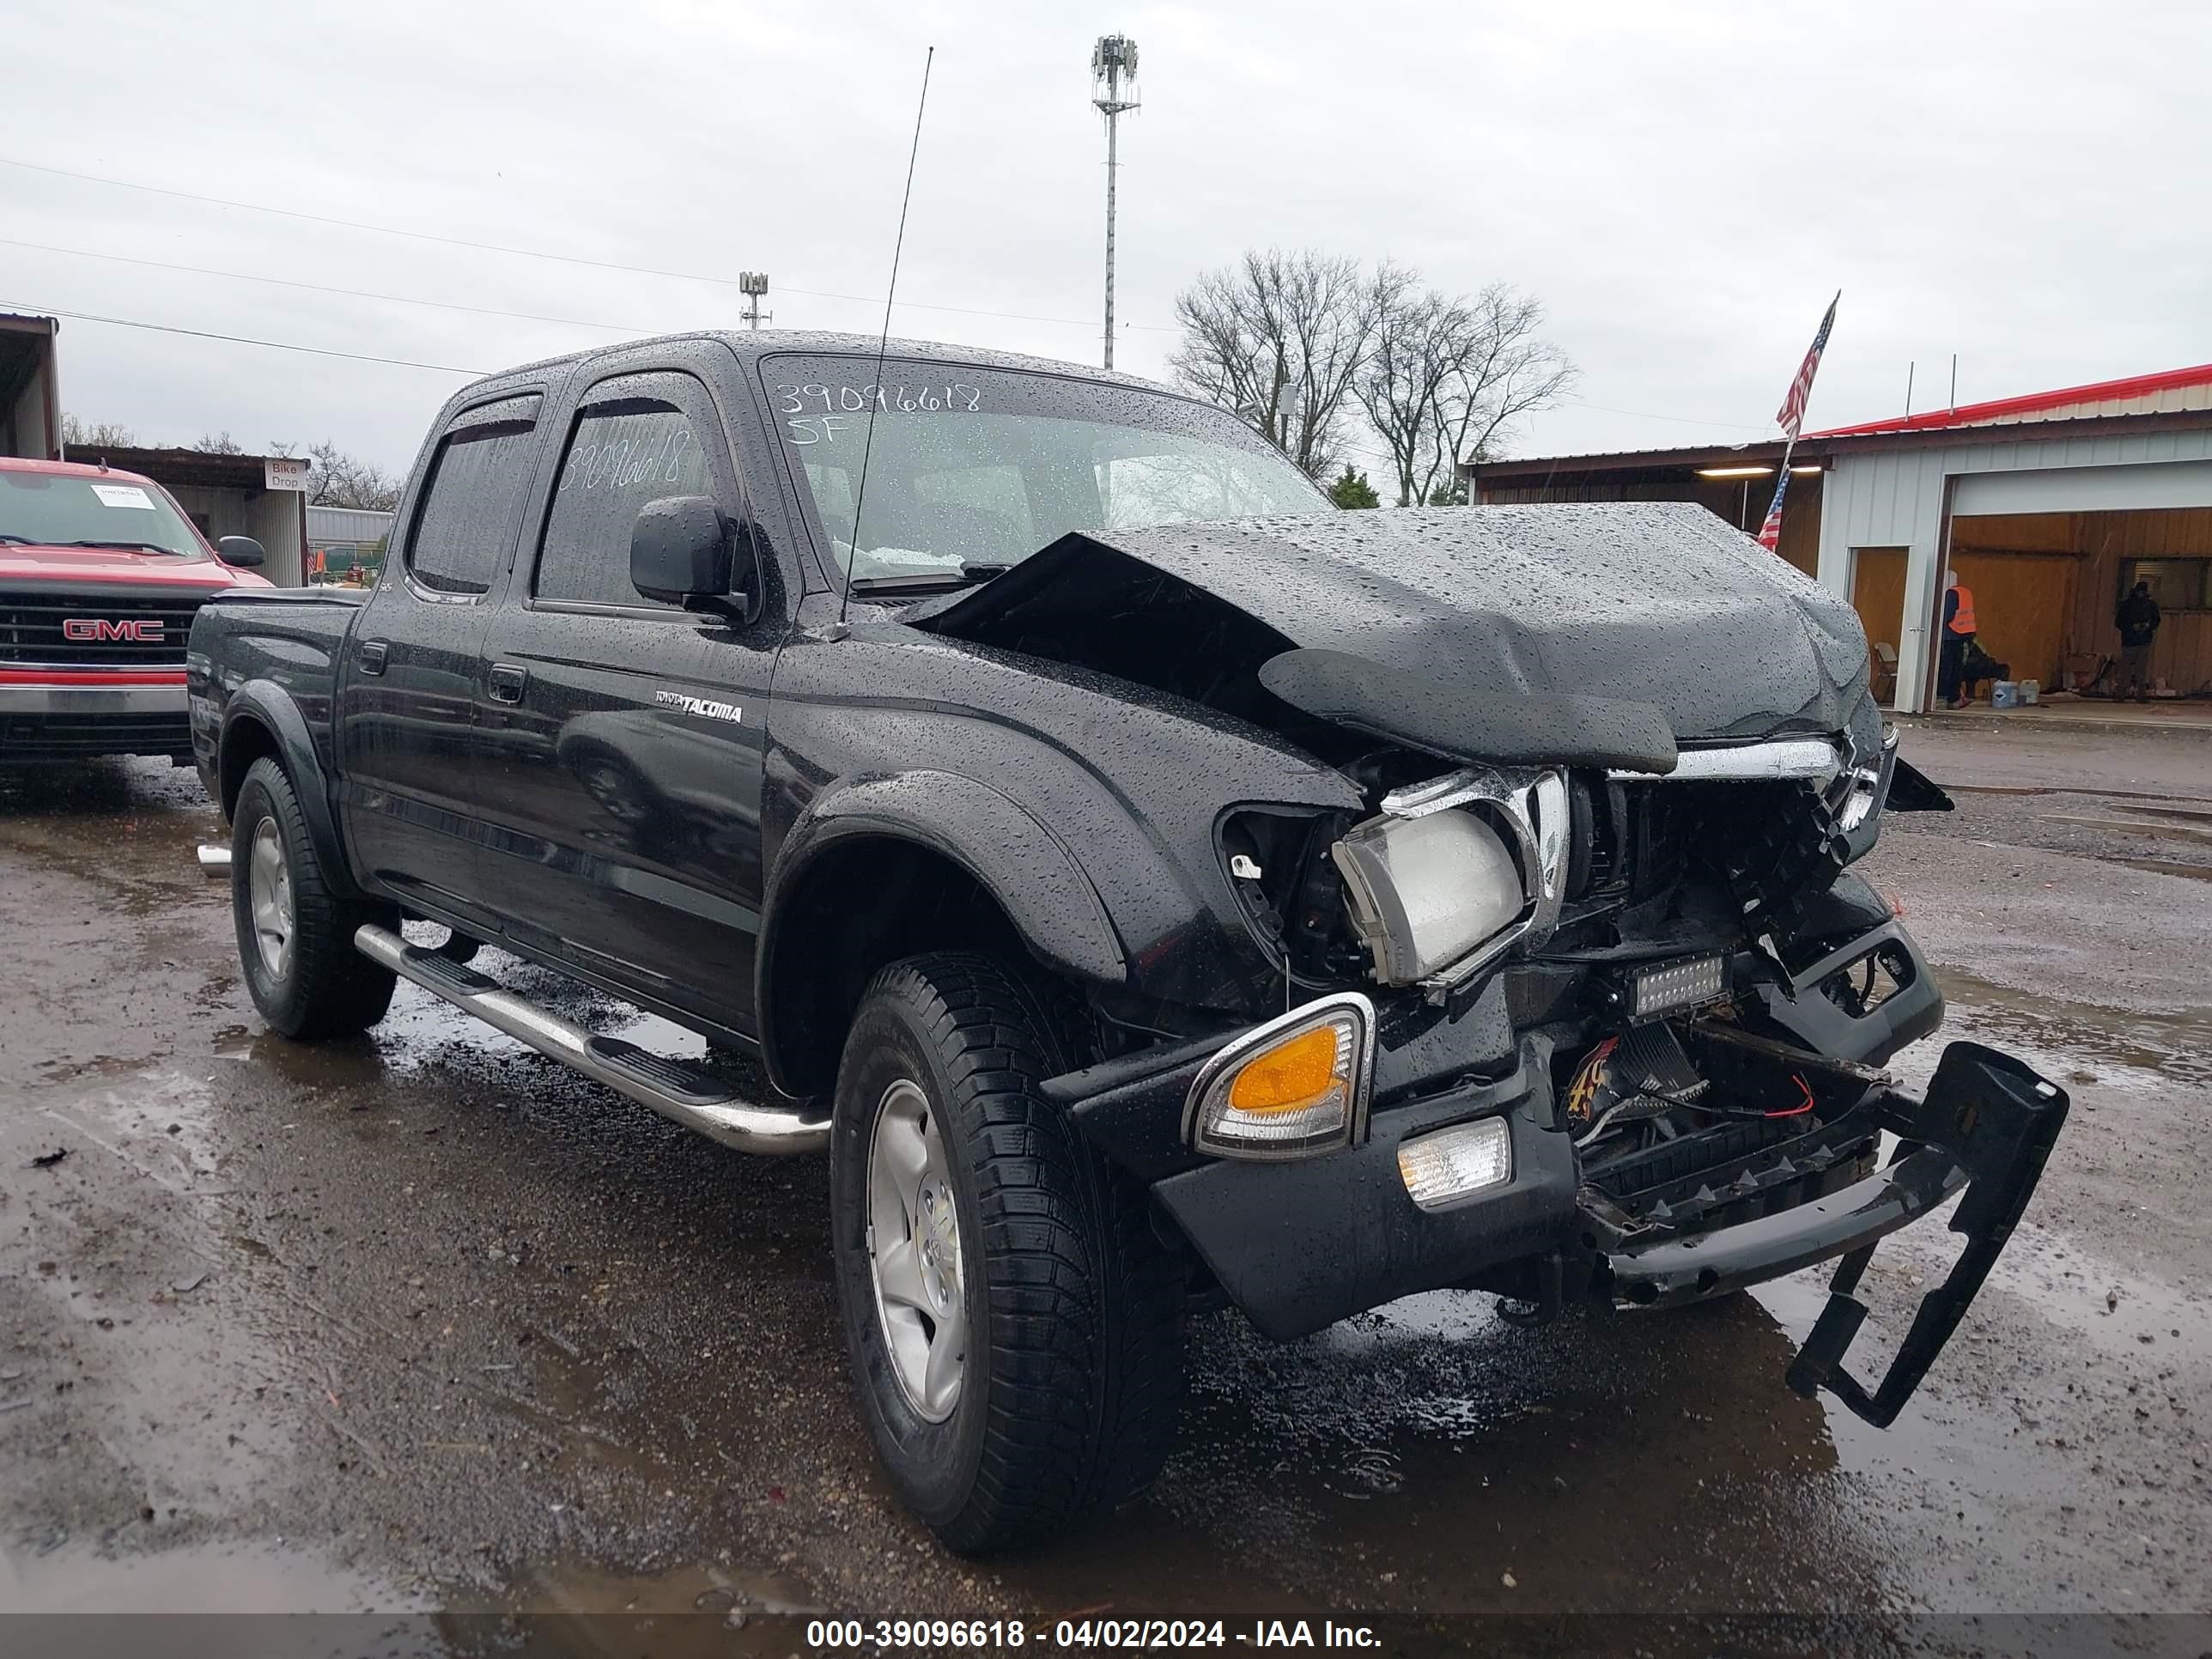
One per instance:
(123,496)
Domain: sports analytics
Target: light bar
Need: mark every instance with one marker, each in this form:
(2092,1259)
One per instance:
(1440,1169)
(1675,985)
(1735,473)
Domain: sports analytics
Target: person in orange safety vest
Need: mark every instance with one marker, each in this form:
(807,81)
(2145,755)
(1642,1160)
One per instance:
(1958,629)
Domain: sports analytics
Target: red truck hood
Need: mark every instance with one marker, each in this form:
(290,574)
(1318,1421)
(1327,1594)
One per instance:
(114,564)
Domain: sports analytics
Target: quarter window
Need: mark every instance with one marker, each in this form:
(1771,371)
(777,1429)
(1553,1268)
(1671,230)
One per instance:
(472,498)
(621,456)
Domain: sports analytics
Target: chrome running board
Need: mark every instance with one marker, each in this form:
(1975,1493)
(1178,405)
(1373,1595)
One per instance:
(684,1094)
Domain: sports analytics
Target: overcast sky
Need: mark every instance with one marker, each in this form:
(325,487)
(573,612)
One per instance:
(1682,184)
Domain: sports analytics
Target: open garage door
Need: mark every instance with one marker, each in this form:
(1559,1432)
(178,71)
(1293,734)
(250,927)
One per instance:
(2045,586)
(2023,603)
(2154,484)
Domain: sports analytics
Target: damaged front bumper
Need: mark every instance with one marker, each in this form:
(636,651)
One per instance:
(1298,1245)
(1987,1124)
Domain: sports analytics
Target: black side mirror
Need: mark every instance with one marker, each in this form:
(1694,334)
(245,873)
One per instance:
(680,553)
(242,551)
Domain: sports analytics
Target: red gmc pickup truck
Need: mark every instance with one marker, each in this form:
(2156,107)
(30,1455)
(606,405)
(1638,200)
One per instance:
(101,573)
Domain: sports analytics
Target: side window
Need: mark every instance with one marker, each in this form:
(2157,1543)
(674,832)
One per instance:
(466,519)
(622,456)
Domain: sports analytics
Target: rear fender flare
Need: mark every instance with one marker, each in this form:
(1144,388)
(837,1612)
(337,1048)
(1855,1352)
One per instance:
(266,705)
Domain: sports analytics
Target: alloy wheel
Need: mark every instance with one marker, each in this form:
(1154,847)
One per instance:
(914,1257)
(268,896)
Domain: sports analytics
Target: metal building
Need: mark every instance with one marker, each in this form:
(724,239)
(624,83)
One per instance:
(2049,507)
(346,544)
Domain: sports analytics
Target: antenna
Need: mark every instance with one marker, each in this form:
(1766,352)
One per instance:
(884,341)
(753,284)
(1113,94)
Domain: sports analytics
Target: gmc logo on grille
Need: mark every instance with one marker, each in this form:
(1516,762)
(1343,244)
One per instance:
(111,627)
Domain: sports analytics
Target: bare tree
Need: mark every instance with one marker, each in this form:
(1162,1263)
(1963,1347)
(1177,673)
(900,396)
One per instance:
(1423,343)
(1446,377)
(1511,372)
(336,478)
(1279,338)
(219,443)
(77,432)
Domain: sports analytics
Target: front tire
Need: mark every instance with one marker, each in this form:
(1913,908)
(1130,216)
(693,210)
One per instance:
(1015,1324)
(295,932)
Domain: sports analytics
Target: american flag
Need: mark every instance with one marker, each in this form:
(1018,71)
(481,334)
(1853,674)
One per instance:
(1791,417)
(1770,533)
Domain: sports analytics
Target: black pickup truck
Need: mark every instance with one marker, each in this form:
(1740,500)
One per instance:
(1149,885)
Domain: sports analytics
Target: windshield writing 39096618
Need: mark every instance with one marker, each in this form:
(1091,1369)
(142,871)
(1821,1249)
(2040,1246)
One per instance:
(813,409)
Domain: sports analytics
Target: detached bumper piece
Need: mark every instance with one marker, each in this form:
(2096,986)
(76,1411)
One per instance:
(1987,1123)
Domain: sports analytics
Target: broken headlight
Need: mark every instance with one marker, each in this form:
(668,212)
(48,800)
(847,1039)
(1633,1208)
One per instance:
(1455,871)
(1425,891)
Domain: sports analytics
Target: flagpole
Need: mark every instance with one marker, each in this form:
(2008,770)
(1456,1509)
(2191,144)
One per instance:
(1792,421)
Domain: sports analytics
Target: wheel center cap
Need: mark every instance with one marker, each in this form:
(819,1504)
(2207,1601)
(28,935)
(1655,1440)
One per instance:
(938,1239)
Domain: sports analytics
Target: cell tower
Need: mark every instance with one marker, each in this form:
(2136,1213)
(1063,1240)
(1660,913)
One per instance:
(753,284)
(1113,94)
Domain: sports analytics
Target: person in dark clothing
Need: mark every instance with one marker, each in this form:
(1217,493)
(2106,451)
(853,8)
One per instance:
(1958,629)
(2137,619)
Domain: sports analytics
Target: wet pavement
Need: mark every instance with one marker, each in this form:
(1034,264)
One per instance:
(421,1328)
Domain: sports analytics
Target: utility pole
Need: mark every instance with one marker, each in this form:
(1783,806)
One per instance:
(1113,94)
(753,284)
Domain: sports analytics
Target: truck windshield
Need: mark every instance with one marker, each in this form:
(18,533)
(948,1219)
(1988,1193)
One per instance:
(53,509)
(972,467)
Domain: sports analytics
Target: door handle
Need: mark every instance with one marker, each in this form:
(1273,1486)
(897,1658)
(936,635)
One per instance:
(372,653)
(508,680)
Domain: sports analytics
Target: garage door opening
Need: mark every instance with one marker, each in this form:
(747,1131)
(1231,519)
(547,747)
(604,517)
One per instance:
(2045,586)
(1878,595)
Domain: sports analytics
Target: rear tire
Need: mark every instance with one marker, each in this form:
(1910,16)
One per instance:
(295,932)
(1060,1397)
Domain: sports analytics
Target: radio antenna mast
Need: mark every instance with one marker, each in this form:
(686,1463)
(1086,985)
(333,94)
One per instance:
(884,341)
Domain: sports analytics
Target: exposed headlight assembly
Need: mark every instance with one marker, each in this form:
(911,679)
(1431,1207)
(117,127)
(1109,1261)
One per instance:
(1455,872)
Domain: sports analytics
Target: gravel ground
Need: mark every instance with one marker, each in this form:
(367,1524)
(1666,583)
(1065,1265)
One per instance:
(421,1324)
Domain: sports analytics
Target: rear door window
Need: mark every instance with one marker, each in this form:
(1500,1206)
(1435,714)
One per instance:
(472,498)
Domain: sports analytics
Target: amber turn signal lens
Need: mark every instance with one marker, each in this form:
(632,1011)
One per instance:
(1293,1074)
(1294,1087)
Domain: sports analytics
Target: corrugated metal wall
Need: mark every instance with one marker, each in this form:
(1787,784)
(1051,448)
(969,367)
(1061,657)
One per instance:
(1897,498)
(356,524)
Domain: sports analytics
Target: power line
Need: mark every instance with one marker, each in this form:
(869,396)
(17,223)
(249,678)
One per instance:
(529,252)
(234,339)
(324,288)
(1646,414)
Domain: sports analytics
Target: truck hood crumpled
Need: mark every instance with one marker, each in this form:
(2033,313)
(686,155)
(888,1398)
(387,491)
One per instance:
(1600,622)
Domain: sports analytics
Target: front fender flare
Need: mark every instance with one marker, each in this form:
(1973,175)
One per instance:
(1044,890)
(267,705)
(1030,872)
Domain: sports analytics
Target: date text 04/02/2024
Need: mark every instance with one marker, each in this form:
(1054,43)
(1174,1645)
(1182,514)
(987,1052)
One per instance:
(1090,1633)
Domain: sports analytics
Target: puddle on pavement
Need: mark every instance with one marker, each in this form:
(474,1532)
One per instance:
(1412,1459)
(2071,1041)
(163,1125)
(699,1610)
(2168,867)
(215,1579)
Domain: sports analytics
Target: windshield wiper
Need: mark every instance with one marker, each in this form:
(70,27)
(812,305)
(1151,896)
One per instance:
(20,541)
(148,547)
(930,581)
